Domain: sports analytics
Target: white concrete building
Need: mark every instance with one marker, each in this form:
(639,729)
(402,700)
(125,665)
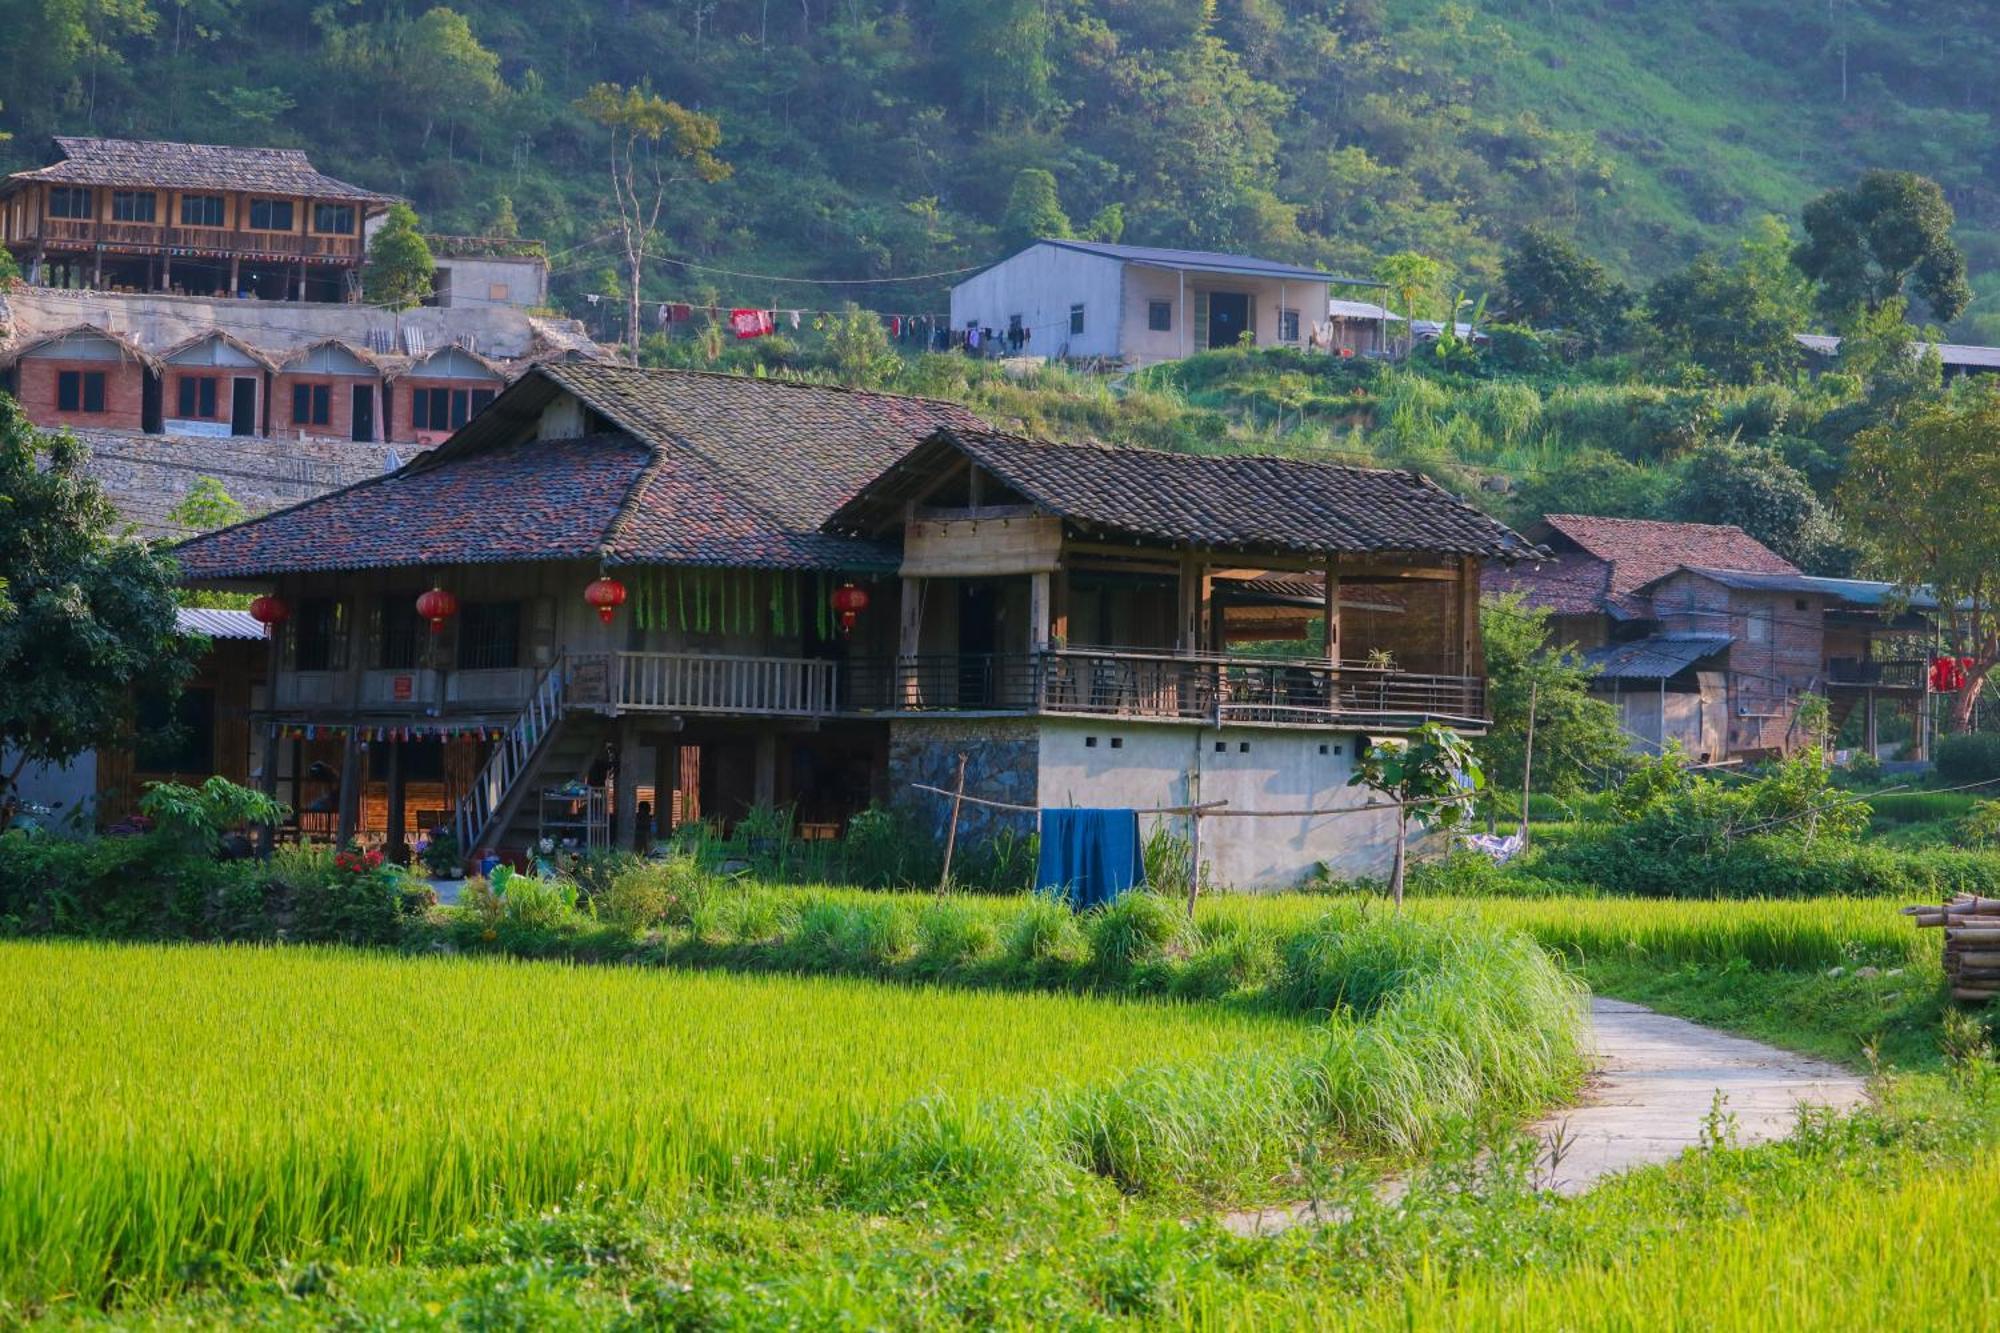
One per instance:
(1136,304)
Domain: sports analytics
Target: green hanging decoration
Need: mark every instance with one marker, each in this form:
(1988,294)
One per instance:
(681,597)
(819,601)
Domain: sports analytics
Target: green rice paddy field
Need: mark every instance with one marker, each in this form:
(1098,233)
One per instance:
(192,1136)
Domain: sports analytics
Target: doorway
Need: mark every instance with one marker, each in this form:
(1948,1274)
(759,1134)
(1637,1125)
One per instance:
(150,404)
(363,414)
(243,406)
(1228,318)
(978,638)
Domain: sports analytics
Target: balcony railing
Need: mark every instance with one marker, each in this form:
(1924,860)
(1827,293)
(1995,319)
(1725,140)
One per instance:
(704,683)
(1893,674)
(1161,685)
(151,236)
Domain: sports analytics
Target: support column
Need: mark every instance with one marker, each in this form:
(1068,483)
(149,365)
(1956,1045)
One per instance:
(1869,736)
(235,275)
(97,270)
(1038,612)
(625,795)
(909,641)
(166,273)
(348,821)
(302,280)
(398,839)
(1331,610)
(1197,601)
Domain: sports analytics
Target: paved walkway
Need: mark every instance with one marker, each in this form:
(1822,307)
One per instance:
(1656,1082)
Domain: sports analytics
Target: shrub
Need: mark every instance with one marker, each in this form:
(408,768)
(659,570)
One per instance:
(1137,928)
(359,902)
(1969,757)
(1045,932)
(638,895)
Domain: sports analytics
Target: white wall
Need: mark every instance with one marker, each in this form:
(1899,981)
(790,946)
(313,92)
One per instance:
(1143,286)
(484,280)
(1040,284)
(68,788)
(1147,764)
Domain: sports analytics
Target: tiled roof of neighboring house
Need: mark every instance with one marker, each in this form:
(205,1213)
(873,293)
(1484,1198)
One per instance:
(1225,501)
(1658,658)
(193,166)
(1641,550)
(696,469)
(1571,583)
(1202,261)
(216,624)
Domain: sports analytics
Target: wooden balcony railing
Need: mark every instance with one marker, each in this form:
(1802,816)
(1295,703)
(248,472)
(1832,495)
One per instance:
(704,683)
(1193,688)
(151,236)
(1891,674)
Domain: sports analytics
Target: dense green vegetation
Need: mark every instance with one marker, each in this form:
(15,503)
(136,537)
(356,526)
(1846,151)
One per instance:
(881,138)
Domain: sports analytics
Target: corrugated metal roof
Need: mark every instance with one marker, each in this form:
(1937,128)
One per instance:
(1360,310)
(1657,658)
(1969,355)
(216,624)
(1204,261)
(1855,592)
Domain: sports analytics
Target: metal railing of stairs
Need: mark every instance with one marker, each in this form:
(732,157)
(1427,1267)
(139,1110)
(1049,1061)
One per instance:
(513,757)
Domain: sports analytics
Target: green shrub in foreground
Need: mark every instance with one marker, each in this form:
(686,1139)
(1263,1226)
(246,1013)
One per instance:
(1969,757)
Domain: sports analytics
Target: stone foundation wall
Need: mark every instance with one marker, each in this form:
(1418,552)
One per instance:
(1001,764)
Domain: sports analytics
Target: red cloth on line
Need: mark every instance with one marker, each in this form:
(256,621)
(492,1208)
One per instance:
(752,323)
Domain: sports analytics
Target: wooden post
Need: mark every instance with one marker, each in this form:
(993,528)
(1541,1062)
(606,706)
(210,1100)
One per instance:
(1038,612)
(398,839)
(267,781)
(625,796)
(348,820)
(97,270)
(1332,610)
(1528,758)
(1870,735)
(909,640)
(1194,837)
(951,832)
(766,777)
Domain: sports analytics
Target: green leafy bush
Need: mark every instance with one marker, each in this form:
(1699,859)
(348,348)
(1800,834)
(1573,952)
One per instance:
(1969,757)
(1135,929)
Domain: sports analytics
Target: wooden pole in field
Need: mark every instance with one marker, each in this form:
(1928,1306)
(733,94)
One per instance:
(951,833)
(1194,839)
(1528,759)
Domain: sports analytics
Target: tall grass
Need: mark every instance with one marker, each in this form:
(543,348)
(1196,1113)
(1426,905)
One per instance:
(168,1109)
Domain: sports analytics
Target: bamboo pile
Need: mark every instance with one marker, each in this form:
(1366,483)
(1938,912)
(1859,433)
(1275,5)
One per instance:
(1971,928)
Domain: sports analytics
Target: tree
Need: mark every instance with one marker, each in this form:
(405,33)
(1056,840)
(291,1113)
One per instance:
(655,145)
(1577,736)
(1414,280)
(1034,210)
(504,224)
(208,505)
(1549,282)
(1431,775)
(860,348)
(1753,487)
(1724,319)
(87,615)
(1888,233)
(1921,502)
(400,267)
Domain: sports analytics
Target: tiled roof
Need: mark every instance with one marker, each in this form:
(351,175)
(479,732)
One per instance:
(1572,583)
(1226,501)
(193,166)
(1641,550)
(1659,658)
(700,469)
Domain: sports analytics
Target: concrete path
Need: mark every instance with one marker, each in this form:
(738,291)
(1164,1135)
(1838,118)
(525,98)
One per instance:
(1655,1084)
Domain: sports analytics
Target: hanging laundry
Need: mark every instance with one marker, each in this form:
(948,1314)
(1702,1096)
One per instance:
(795,319)
(679,312)
(751,323)
(895,326)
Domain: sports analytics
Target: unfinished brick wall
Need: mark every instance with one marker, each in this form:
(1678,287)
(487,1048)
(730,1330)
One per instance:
(340,416)
(37,380)
(400,415)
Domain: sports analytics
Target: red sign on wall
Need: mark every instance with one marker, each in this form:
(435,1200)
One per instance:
(404,687)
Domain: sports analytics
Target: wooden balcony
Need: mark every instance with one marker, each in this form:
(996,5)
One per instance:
(703,683)
(155,238)
(1876,673)
(1167,687)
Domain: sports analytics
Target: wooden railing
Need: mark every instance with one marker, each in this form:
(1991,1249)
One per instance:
(512,756)
(705,683)
(1895,674)
(1184,687)
(158,236)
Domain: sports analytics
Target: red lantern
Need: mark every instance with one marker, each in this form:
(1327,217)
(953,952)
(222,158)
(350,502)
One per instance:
(437,606)
(607,595)
(269,611)
(850,602)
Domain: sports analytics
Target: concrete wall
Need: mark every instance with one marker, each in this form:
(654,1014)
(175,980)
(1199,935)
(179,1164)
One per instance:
(472,282)
(1040,284)
(67,789)
(1143,286)
(157,321)
(1106,762)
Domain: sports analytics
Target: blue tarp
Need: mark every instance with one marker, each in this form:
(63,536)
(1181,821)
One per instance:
(1089,857)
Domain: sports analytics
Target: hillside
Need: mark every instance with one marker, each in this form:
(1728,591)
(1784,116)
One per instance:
(879,138)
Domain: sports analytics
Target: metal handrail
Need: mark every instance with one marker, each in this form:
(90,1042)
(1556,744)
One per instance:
(511,756)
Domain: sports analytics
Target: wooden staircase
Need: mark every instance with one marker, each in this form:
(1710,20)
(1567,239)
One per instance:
(548,744)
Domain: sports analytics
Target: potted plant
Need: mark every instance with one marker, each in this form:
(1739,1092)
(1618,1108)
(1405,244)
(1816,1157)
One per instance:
(442,856)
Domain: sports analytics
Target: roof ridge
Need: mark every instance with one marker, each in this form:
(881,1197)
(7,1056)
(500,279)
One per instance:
(783,381)
(1289,460)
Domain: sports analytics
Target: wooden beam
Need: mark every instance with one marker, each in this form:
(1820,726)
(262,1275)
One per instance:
(1038,611)
(1471,651)
(910,638)
(1331,609)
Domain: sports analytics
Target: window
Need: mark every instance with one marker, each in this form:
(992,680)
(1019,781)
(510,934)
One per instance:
(69,201)
(1160,316)
(80,391)
(1288,326)
(1075,320)
(319,635)
(197,397)
(312,404)
(1759,627)
(334,219)
(446,409)
(270,215)
(489,636)
(133,205)
(201,210)
(400,634)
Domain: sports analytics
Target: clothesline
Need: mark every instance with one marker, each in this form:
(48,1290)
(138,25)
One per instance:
(1213,809)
